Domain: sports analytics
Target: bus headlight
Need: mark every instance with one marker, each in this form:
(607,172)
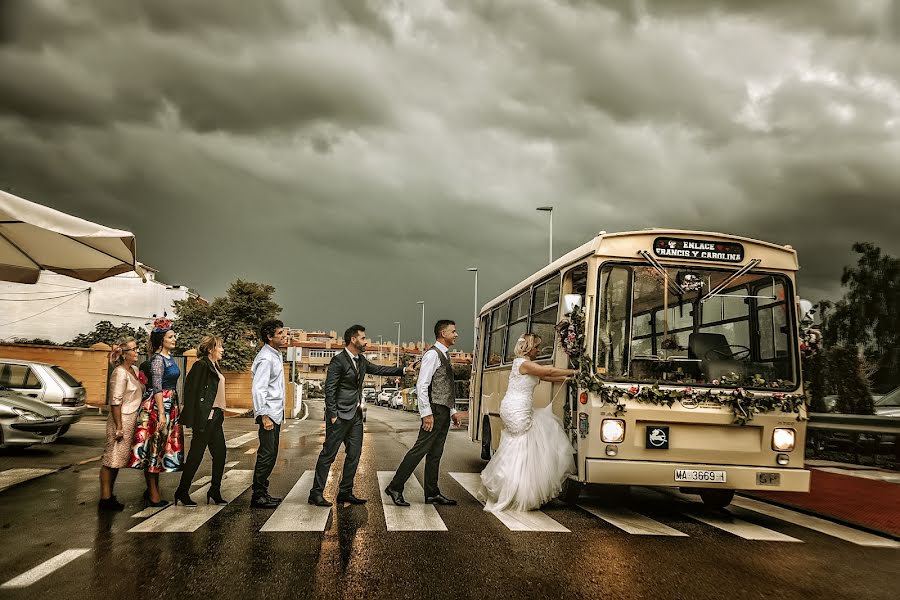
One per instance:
(783,439)
(612,431)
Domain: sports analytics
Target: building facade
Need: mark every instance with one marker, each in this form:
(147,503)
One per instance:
(59,308)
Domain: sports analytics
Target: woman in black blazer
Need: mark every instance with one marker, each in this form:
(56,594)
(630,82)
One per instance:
(204,412)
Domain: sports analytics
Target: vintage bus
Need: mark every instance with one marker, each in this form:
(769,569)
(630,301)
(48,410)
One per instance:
(697,313)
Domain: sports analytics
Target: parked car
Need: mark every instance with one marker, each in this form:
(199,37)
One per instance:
(889,404)
(397,399)
(384,398)
(25,421)
(51,384)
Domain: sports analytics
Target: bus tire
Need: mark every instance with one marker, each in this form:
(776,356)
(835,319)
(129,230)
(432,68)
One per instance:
(571,490)
(486,451)
(716,499)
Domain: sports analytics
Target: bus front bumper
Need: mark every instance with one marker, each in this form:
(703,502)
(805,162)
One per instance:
(622,472)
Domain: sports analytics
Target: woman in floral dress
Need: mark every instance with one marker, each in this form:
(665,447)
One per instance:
(158,440)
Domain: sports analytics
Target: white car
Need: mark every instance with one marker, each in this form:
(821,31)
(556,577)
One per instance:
(51,384)
(384,398)
(397,400)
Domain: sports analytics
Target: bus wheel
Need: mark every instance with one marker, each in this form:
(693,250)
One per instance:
(486,439)
(571,490)
(716,498)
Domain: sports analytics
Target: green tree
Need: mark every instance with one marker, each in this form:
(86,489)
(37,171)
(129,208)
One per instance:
(868,316)
(850,382)
(107,333)
(234,317)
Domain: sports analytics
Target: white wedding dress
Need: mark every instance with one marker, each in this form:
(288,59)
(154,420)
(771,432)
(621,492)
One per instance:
(534,456)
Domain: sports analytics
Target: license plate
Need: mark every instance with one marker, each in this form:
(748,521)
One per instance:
(768,478)
(694,475)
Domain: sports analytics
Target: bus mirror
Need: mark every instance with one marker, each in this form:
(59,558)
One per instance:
(572,301)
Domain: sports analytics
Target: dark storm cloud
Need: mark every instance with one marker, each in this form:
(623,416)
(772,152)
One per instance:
(360,155)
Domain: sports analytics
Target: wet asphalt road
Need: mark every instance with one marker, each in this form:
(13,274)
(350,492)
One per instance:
(356,556)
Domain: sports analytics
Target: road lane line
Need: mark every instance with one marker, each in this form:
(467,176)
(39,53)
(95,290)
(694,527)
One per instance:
(295,513)
(90,460)
(740,528)
(854,536)
(233,463)
(202,481)
(182,519)
(534,520)
(631,522)
(148,512)
(45,568)
(241,440)
(251,451)
(416,517)
(11,477)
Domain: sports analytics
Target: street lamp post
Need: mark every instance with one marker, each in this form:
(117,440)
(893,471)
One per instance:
(397,323)
(475,328)
(422,339)
(549,209)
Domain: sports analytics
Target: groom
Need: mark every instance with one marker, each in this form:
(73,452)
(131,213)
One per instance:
(343,414)
(436,392)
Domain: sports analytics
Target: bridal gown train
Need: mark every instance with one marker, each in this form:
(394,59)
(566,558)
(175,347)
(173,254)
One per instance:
(534,457)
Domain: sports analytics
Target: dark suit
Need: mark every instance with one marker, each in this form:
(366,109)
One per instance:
(343,394)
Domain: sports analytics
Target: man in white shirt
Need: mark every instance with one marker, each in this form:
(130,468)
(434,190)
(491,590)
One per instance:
(268,408)
(436,393)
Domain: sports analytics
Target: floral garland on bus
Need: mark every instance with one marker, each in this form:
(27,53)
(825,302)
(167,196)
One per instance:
(744,404)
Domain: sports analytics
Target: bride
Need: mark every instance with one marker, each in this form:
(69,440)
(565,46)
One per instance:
(535,456)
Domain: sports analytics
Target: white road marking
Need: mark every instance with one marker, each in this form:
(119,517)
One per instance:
(516,521)
(842,532)
(183,519)
(241,440)
(631,522)
(11,477)
(202,481)
(416,517)
(148,512)
(251,451)
(740,528)
(45,568)
(233,463)
(295,513)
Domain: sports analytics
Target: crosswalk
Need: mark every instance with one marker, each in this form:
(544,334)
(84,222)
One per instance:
(746,518)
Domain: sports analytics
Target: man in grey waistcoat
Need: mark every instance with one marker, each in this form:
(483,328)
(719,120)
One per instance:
(436,391)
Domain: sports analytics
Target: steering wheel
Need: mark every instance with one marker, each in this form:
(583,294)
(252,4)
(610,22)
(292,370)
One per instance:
(724,351)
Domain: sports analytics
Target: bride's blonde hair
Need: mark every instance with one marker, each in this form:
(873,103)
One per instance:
(526,343)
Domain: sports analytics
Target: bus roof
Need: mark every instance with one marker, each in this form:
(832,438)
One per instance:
(604,244)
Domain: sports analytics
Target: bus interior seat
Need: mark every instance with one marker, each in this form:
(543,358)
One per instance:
(718,363)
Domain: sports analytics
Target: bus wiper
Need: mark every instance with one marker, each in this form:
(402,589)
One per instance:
(674,287)
(731,278)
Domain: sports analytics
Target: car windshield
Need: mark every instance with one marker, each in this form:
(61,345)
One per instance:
(892,398)
(664,325)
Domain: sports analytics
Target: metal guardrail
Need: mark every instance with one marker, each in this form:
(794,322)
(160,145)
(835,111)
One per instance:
(860,439)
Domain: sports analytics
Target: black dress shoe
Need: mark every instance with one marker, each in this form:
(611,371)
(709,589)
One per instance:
(351,499)
(397,497)
(262,502)
(440,499)
(318,501)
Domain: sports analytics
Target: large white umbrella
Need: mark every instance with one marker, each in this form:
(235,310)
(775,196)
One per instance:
(34,237)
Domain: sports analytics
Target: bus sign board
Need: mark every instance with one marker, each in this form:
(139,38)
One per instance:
(730,252)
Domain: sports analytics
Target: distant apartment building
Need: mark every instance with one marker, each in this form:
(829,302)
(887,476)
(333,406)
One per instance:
(315,349)
(58,308)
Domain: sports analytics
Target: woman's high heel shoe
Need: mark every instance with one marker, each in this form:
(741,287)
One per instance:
(215,498)
(185,500)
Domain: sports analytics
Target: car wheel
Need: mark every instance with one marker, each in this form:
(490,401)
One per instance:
(63,430)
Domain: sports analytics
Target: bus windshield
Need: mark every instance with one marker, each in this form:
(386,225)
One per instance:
(695,326)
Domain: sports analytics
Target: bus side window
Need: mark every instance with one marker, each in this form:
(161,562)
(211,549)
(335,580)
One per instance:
(494,354)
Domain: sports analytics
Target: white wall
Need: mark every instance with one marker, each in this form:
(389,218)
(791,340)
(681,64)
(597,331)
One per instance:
(46,309)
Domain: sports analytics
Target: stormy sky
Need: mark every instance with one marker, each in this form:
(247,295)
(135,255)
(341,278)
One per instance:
(359,156)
